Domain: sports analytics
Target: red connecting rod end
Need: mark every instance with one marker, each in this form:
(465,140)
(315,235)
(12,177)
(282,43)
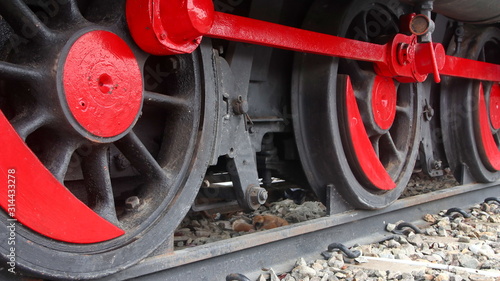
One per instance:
(408,61)
(167,27)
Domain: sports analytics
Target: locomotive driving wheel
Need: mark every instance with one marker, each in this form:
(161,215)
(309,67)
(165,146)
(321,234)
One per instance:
(354,129)
(104,145)
(470,112)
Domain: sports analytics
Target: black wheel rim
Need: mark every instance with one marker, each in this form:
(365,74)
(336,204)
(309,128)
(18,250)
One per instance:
(464,146)
(331,159)
(157,161)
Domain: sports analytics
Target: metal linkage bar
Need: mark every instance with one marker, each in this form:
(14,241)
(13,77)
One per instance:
(246,30)
(466,68)
(151,25)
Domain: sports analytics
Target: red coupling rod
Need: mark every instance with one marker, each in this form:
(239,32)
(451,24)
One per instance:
(166,27)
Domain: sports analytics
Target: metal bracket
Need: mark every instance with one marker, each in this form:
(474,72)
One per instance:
(430,162)
(235,142)
(400,228)
(465,175)
(335,203)
(451,211)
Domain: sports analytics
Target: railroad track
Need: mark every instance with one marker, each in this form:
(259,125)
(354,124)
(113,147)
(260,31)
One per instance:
(117,117)
(279,248)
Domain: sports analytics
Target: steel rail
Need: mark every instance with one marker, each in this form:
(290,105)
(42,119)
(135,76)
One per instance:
(279,248)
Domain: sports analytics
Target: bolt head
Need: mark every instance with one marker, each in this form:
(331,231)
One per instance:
(263,196)
(240,106)
(132,203)
(256,196)
(438,165)
(406,54)
(206,183)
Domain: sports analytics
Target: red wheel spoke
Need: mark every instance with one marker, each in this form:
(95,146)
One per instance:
(42,203)
(490,147)
(365,154)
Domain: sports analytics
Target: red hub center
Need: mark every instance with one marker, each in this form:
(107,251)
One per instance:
(384,102)
(495,106)
(102,84)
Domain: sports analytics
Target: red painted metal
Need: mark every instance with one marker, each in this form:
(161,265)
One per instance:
(167,27)
(466,68)
(39,201)
(488,145)
(405,22)
(409,61)
(434,61)
(495,106)
(253,31)
(102,84)
(154,29)
(365,154)
(384,56)
(384,97)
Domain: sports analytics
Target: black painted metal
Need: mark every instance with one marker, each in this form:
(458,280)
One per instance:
(477,11)
(492,199)
(253,100)
(237,277)
(150,162)
(432,159)
(401,226)
(278,248)
(350,254)
(457,210)
(459,113)
(318,104)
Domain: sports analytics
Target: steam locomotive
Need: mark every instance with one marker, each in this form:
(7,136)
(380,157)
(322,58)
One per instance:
(115,115)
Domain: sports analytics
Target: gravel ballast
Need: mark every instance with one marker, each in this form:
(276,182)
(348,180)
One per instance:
(449,249)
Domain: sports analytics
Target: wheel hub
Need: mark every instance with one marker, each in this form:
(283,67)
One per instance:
(384,102)
(102,85)
(495,106)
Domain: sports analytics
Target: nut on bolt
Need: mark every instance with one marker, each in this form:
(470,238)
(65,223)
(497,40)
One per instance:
(256,196)
(262,197)
(406,53)
(132,203)
(240,106)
